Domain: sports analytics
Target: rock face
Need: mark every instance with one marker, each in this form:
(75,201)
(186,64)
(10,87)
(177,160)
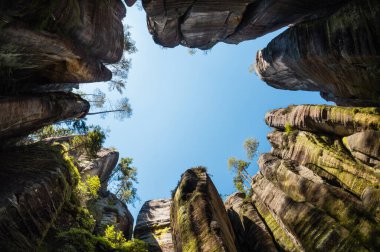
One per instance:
(318,189)
(153,225)
(102,166)
(198,217)
(59,41)
(109,210)
(251,232)
(338,56)
(35,183)
(26,113)
(202,24)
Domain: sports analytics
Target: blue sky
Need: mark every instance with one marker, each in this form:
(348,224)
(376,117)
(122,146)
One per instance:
(191,110)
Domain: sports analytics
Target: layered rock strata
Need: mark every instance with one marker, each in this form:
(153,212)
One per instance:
(36,181)
(153,225)
(198,217)
(59,41)
(251,232)
(337,56)
(202,24)
(23,114)
(319,185)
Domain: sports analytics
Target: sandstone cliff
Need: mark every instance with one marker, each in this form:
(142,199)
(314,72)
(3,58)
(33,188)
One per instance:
(153,225)
(338,56)
(198,217)
(202,24)
(313,186)
(23,114)
(36,181)
(59,41)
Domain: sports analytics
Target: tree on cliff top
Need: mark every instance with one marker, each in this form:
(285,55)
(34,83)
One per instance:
(123,179)
(242,179)
(121,109)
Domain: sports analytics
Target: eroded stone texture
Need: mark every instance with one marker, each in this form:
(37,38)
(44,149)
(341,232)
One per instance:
(35,183)
(59,41)
(198,217)
(202,24)
(20,115)
(318,189)
(338,56)
(251,232)
(153,225)
(341,121)
(109,210)
(365,146)
(102,166)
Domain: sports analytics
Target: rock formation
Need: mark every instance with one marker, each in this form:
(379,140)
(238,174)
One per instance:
(59,41)
(108,210)
(338,56)
(153,225)
(202,24)
(331,47)
(101,166)
(198,217)
(26,113)
(313,186)
(36,181)
(251,232)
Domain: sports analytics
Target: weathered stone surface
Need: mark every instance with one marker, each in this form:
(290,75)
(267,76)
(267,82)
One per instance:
(365,146)
(318,189)
(338,56)
(327,155)
(202,24)
(250,230)
(311,227)
(198,217)
(102,166)
(25,113)
(109,210)
(153,225)
(59,41)
(35,183)
(341,121)
(342,206)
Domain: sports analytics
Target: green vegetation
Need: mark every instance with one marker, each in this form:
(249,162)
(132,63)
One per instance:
(242,179)
(123,178)
(89,188)
(90,143)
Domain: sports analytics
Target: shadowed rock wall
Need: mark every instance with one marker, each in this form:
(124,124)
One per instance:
(20,115)
(35,183)
(59,41)
(202,24)
(338,56)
